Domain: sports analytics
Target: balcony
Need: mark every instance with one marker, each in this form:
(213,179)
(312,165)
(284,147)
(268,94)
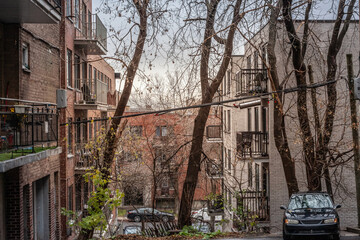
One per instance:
(252,144)
(92,94)
(251,81)
(84,159)
(91,34)
(30,11)
(214,170)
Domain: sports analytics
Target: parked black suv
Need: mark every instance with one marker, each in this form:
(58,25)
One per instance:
(311,214)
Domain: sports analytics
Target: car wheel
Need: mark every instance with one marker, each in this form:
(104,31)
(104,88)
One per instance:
(137,218)
(336,237)
(165,218)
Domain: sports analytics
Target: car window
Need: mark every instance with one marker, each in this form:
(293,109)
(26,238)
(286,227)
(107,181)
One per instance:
(310,201)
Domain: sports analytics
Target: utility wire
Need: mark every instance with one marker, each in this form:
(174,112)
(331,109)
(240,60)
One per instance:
(160,112)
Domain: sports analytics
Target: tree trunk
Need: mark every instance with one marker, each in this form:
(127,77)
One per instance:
(355,131)
(279,131)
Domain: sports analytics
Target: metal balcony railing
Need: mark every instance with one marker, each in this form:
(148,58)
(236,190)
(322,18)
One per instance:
(250,81)
(91,28)
(252,144)
(93,91)
(254,204)
(27,124)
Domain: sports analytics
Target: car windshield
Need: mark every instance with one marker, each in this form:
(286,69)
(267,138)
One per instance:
(310,201)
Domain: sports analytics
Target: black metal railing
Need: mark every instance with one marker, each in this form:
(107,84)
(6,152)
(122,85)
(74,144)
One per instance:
(250,81)
(213,131)
(90,27)
(27,124)
(252,144)
(253,204)
(93,91)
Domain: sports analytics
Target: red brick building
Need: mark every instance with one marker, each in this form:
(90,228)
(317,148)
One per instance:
(51,77)
(154,154)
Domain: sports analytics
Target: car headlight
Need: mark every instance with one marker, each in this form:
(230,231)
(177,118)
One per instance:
(291,221)
(331,220)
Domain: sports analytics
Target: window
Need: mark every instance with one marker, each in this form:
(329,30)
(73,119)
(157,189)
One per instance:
(77,14)
(77,71)
(83,19)
(78,131)
(229,159)
(68,8)
(229,121)
(162,131)
(224,85)
(257,177)
(84,71)
(225,157)
(213,131)
(90,77)
(69,68)
(90,129)
(238,82)
(25,56)
(136,130)
(250,175)
(256,60)
(249,119)
(228,81)
(78,193)
(85,131)
(224,122)
(256,119)
(41,208)
(69,143)
(263,120)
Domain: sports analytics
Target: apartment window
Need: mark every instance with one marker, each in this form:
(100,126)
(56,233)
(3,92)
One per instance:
(89,33)
(225,157)
(68,8)
(256,60)
(263,120)
(224,122)
(78,131)
(257,177)
(78,193)
(84,71)
(224,85)
(77,71)
(162,131)
(228,81)
(90,129)
(256,119)
(77,14)
(85,130)
(69,68)
(213,131)
(83,19)
(69,143)
(264,57)
(249,119)
(41,208)
(90,77)
(238,82)
(229,120)
(229,159)
(25,56)
(250,175)
(136,130)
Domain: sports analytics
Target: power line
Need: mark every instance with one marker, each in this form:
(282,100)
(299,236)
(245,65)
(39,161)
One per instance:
(160,112)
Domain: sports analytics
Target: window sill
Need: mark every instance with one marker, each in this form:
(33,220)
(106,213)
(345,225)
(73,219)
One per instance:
(25,69)
(70,155)
(70,88)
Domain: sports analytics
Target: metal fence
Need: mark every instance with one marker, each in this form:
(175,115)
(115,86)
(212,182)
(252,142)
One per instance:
(26,124)
(250,81)
(252,144)
(254,204)
(91,28)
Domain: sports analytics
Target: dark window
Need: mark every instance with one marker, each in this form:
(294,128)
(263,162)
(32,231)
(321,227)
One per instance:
(26,211)
(256,60)
(90,129)
(78,131)
(224,122)
(224,85)
(77,14)
(25,56)
(68,8)
(213,131)
(256,119)
(249,119)
(257,177)
(83,19)
(229,159)
(69,68)
(41,208)
(78,193)
(229,121)
(250,175)
(238,82)
(69,143)
(228,81)
(163,131)
(225,157)
(77,71)
(85,131)
(84,71)
(264,120)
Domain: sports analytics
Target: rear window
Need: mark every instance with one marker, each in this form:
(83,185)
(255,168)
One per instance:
(310,201)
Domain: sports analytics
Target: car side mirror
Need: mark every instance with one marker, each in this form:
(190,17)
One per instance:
(337,206)
(283,207)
